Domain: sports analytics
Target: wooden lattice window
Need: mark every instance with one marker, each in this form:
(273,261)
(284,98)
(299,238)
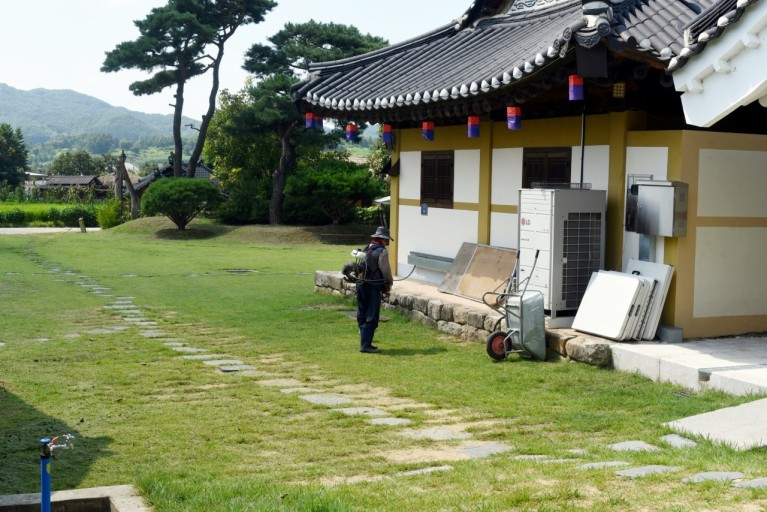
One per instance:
(546,165)
(437,178)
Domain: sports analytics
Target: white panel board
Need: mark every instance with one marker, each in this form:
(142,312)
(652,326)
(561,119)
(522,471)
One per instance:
(596,166)
(507,176)
(608,305)
(662,274)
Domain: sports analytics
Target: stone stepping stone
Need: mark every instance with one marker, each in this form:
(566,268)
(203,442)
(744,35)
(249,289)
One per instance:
(634,446)
(129,275)
(105,330)
(600,465)
(576,451)
(326,399)
(288,391)
(196,357)
(152,334)
(281,383)
(190,350)
(486,450)
(647,471)
(425,471)
(222,362)
(759,483)
(147,323)
(677,441)
(391,422)
(42,339)
(437,434)
(2,344)
(362,411)
(716,476)
(236,368)
(530,457)
(136,319)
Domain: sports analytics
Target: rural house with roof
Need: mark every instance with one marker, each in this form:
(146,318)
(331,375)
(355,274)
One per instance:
(516,92)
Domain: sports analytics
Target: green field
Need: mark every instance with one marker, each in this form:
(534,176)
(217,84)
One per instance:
(192,438)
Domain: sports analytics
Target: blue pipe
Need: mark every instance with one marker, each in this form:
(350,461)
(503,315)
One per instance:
(45,476)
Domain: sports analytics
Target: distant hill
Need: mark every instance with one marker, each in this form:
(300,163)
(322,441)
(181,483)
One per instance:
(44,114)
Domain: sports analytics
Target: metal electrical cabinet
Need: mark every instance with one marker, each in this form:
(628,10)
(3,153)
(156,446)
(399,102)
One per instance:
(567,229)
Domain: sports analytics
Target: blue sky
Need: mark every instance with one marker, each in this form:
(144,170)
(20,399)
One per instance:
(60,44)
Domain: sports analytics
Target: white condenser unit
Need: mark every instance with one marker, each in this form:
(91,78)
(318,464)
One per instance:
(566,229)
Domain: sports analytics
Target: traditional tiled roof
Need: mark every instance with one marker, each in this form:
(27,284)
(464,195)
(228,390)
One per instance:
(71,181)
(496,47)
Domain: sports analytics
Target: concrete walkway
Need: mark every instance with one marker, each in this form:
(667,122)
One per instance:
(35,231)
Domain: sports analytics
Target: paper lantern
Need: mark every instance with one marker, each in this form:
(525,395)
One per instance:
(514,118)
(351,132)
(576,88)
(473,127)
(309,120)
(427,130)
(387,136)
(317,122)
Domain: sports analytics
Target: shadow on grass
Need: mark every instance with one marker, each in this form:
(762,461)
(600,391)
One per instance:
(412,351)
(189,234)
(23,426)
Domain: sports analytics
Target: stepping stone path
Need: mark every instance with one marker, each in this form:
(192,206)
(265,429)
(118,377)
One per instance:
(449,440)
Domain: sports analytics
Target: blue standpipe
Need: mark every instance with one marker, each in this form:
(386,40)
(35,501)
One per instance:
(45,475)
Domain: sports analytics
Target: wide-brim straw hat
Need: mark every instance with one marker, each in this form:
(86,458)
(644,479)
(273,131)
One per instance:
(382,232)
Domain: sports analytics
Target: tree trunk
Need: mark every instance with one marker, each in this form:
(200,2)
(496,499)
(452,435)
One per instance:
(280,176)
(207,117)
(178,109)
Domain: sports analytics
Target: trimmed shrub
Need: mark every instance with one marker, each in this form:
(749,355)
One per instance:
(109,214)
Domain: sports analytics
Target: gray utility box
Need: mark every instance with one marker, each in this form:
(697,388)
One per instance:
(662,208)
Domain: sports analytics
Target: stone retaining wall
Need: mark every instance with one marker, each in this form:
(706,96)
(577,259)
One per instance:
(468,322)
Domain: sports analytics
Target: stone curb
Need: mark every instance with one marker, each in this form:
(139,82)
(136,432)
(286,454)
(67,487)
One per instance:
(471,323)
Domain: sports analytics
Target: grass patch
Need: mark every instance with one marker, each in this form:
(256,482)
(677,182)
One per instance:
(192,438)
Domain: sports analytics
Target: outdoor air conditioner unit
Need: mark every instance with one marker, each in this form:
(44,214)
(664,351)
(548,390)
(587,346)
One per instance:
(567,227)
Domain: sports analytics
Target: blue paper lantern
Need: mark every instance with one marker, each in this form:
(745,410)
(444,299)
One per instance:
(514,118)
(473,127)
(351,132)
(575,88)
(427,130)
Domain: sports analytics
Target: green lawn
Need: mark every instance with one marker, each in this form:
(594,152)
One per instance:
(192,438)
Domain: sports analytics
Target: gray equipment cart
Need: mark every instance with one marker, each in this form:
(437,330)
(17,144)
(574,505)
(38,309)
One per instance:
(524,314)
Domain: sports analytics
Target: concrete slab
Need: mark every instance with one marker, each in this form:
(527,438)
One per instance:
(634,446)
(677,441)
(715,476)
(759,483)
(326,399)
(222,362)
(236,368)
(201,357)
(391,422)
(646,471)
(733,365)
(190,350)
(741,427)
(486,450)
(117,498)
